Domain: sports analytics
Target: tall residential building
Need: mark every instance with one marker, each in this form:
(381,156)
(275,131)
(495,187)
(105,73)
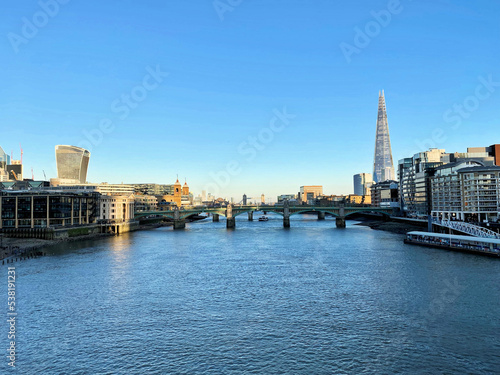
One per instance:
(415,175)
(72,163)
(466,191)
(383,166)
(362,183)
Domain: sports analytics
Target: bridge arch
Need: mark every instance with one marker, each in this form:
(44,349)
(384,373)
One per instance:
(158,214)
(326,211)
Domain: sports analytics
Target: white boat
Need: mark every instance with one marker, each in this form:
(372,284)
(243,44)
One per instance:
(263,218)
(476,245)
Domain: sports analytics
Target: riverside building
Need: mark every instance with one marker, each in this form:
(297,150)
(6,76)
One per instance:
(46,208)
(466,191)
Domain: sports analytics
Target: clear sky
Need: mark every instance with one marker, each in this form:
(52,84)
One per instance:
(94,73)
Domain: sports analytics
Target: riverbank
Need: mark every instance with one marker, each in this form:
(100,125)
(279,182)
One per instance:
(16,246)
(391,226)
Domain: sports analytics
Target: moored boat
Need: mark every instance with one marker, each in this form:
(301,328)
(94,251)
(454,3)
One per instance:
(469,244)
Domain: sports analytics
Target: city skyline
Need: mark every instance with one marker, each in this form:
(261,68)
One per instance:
(203,104)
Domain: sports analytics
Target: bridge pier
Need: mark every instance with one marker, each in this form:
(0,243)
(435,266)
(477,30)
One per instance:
(250,216)
(230,219)
(286,222)
(286,214)
(321,215)
(340,222)
(231,223)
(215,218)
(179,224)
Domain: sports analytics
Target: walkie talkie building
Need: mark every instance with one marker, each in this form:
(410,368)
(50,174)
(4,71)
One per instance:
(72,163)
(383,166)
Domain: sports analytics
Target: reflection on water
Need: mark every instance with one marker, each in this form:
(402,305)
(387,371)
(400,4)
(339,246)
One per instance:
(258,299)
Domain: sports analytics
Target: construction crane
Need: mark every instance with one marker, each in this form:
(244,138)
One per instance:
(32,175)
(44,176)
(21,153)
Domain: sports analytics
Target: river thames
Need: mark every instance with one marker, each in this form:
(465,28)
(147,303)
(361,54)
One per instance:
(259,299)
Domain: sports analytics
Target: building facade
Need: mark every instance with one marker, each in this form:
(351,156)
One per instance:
(383,166)
(72,163)
(362,183)
(44,209)
(414,181)
(466,191)
(145,203)
(116,208)
(308,194)
(385,194)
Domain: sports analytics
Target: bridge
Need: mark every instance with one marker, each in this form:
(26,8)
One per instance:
(230,212)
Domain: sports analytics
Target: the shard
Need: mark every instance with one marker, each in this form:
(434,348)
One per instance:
(383,167)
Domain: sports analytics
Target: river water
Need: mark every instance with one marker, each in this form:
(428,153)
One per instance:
(259,299)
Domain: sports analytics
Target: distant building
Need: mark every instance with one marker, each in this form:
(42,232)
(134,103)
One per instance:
(308,194)
(362,183)
(145,203)
(15,171)
(383,166)
(245,200)
(4,162)
(180,196)
(103,188)
(283,197)
(116,208)
(355,199)
(263,199)
(385,194)
(414,181)
(72,163)
(329,200)
(153,189)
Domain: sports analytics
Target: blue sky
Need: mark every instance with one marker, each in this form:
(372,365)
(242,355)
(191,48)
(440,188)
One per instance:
(230,71)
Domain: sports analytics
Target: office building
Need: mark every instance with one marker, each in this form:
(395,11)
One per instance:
(308,194)
(45,208)
(145,203)
(466,191)
(385,194)
(383,166)
(72,164)
(362,183)
(414,181)
(116,208)
(153,189)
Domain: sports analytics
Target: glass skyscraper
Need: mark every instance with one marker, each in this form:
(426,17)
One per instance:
(383,166)
(72,163)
